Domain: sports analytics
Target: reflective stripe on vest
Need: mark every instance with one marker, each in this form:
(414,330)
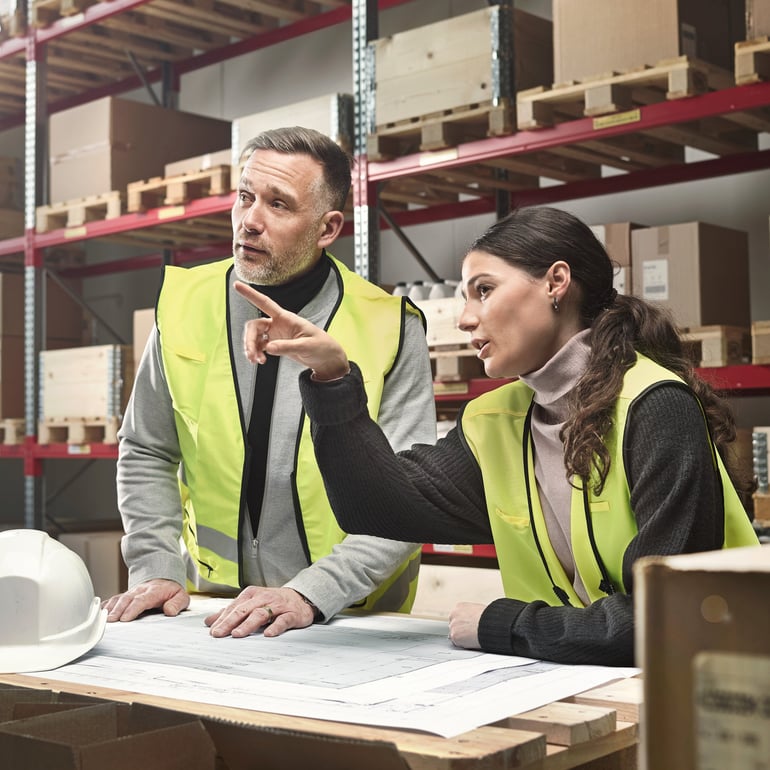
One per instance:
(193,323)
(493,426)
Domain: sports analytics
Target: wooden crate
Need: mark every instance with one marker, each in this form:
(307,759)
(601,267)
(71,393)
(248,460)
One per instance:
(441,319)
(760,342)
(331,114)
(455,79)
(717,345)
(85,385)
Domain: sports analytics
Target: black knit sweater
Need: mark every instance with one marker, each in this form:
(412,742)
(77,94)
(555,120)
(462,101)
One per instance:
(436,494)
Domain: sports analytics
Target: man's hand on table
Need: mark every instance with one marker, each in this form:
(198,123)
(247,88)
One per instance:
(274,610)
(158,593)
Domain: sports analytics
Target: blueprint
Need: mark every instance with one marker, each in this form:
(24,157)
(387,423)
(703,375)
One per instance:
(387,670)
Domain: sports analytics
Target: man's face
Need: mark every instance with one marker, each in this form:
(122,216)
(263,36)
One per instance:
(279,217)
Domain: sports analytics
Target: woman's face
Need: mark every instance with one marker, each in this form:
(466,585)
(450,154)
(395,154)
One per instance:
(510,315)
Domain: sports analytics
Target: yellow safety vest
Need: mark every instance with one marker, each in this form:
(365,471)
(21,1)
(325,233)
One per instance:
(495,427)
(193,323)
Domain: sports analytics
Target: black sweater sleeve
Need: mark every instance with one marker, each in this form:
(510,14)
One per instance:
(435,494)
(425,494)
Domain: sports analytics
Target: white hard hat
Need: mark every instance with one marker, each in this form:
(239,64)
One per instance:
(49,615)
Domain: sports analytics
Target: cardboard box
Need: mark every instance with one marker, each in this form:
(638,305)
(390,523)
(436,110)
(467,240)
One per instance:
(627,34)
(616,239)
(459,62)
(698,271)
(331,114)
(64,318)
(11,223)
(144,320)
(11,183)
(703,642)
(11,376)
(757,18)
(91,382)
(107,143)
(120,736)
(100,552)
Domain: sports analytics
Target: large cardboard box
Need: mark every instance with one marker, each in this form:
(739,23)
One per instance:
(616,239)
(698,271)
(703,642)
(198,163)
(331,114)
(64,318)
(100,552)
(757,18)
(627,34)
(11,223)
(107,143)
(459,62)
(64,328)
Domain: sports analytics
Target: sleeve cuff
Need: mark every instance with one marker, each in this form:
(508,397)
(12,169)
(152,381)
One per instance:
(334,402)
(496,626)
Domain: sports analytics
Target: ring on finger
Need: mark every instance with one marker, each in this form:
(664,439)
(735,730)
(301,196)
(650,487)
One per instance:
(270,613)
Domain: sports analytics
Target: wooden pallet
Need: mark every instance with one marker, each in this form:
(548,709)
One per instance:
(752,61)
(45,12)
(613,93)
(710,346)
(78,211)
(761,509)
(178,190)
(760,342)
(78,430)
(12,25)
(439,131)
(12,430)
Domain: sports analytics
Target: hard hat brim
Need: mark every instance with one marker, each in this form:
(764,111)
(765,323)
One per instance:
(53,652)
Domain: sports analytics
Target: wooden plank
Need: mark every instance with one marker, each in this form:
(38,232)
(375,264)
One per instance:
(566,724)
(623,695)
(78,431)
(12,430)
(487,748)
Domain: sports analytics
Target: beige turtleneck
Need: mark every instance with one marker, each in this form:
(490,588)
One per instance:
(552,384)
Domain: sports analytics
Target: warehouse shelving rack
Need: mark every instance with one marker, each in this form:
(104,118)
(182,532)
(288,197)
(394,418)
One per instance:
(747,106)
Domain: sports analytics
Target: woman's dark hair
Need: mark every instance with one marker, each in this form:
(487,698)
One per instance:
(292,140)
(532,239)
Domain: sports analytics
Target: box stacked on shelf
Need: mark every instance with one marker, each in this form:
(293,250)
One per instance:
(630,34)
(455,79)
(83,392)
(101,146)
(616,238)
(64,328)
(698,272)
(331,114)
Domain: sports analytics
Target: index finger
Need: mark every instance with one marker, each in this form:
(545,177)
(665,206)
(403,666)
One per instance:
(260,301)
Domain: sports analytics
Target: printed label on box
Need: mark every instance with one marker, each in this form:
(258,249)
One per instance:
(732,710)
(655,279)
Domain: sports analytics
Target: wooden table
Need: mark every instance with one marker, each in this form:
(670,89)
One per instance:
(596,730)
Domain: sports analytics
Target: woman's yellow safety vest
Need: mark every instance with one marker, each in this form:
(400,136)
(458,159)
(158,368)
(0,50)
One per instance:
(193,322)
(496,429)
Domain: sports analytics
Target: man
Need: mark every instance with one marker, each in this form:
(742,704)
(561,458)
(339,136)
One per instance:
(217,450)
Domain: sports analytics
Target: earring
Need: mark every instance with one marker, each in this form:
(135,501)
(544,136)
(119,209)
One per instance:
(555,305)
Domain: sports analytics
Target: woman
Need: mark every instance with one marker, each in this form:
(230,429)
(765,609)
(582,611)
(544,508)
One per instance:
(605,449)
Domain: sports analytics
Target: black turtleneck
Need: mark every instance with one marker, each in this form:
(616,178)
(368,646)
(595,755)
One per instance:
(293,296)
